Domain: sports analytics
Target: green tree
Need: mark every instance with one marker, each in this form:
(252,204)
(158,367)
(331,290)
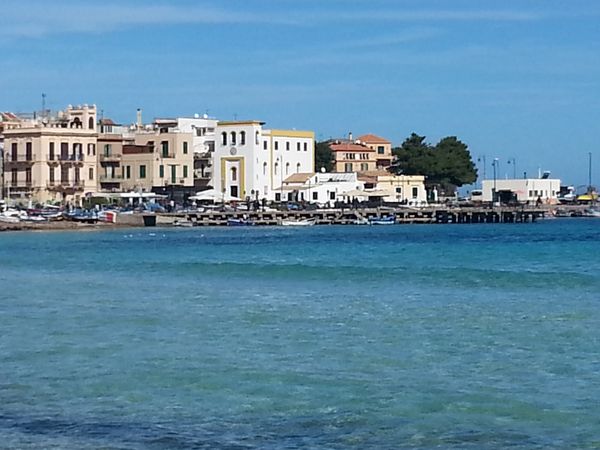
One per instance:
(323,157)
(448,164)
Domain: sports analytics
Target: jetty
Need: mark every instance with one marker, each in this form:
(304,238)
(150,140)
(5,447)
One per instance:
(349,216)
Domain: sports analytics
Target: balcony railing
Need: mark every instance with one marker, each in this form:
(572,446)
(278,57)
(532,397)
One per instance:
(19,158)
(111,178)
(110,157)
(71,158)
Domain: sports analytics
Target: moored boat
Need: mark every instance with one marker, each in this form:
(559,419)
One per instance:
(298,222)
(385,220)
(234,222)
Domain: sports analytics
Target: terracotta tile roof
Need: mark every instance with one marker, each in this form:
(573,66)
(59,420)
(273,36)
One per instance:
(348,147)
(298,178)
(373,139)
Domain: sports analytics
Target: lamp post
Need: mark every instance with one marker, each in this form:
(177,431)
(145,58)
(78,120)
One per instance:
(494,165)
(482,159)
(513,161)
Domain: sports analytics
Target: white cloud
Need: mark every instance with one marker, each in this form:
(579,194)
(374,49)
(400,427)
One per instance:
(37,18)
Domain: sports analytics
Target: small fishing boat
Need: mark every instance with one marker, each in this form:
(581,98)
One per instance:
(233,222)
(298,222)
(385,220)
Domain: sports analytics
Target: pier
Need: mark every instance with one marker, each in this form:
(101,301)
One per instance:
(346,216)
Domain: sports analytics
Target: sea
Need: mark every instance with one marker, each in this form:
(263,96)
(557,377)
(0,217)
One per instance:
(327,337)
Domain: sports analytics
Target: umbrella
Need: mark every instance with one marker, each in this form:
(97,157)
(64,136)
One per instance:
(214,196)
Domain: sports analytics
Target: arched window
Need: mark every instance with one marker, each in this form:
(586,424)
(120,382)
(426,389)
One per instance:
(233,138)
(233,174)
(242,138)
(264,168)
(257,137)
(91,123)
(298,168)
(287,168)
(275,168)
(224,138)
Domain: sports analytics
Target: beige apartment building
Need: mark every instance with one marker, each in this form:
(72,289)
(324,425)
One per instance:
(350,156)
(53,157)
(382,147)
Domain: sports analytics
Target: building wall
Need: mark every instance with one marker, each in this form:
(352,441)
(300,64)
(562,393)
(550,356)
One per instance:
(405,188)
(527,190)
(67,172)
(256,164)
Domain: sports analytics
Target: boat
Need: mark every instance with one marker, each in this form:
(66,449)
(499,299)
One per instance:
(233,222)
(591,212)
(9,219)
(298,222)
(385,220)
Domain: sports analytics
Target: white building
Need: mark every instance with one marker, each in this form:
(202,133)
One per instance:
(320,187)
(250,161)
(527,190)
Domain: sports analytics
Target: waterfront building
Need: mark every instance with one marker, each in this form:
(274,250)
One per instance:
(406,189)
(352,155)
(383,149)
(250,161)
(320,187)
(51,157)
(526,190)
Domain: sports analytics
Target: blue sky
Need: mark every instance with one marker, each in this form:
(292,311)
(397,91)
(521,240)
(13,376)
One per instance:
(512,78)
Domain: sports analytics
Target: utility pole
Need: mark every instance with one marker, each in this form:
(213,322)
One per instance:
(590,172)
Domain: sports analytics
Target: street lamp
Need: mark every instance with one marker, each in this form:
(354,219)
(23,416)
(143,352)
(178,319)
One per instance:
(513,161)
(495,166)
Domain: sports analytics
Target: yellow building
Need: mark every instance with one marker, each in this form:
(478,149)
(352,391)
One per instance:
(52,158)
(382,147)
(407,189)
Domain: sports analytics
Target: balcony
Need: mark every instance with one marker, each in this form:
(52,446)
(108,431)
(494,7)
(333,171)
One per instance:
(110,178)
(166,155)
(72,159)
(20,158)
(52,159)
(110,157)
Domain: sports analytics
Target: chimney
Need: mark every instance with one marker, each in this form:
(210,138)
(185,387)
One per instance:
(138,121)
(350,136)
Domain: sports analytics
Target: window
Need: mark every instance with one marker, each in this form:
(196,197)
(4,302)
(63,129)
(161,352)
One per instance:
(91,123)
(64,174)
(51,149)
(287,168)
(233,138)
(77,175)
(277,197)
(380,150)
(275,168)
(242,138)
(185,148)
(142,171)
(185,171)
(161,171)
(348,167)
(398,190)
(165,149)
(276,145)
(264,168)
(64,151)
(93,148)
(257,136)
(223,138)
(364,166)
(128,172)
(305,146)
(287,145)
(173,173)
(13,176)
(332,195)
(264,145)
(298,168)
(13,151)
(233,174)
(28,176)
(28,151)
(51,175)
(315,196)
(297,146)
(415,192)
(91,173)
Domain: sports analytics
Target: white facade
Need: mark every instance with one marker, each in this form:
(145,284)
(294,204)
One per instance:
(250,161)
(321,187)
(526,190)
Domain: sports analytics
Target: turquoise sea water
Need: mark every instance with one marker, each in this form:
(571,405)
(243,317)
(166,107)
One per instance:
(419,337)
